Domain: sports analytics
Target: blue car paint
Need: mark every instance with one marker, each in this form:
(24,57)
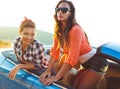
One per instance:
(6,83)
(26,80)
(2,58)
(110,50)
(23,80)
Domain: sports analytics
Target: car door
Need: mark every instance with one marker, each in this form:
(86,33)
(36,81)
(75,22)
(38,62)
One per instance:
(22,77)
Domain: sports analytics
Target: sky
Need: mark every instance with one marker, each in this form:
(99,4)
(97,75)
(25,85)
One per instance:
(99,18)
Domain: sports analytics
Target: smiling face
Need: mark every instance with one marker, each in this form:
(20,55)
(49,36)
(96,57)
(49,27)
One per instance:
(63,11)
(27,35)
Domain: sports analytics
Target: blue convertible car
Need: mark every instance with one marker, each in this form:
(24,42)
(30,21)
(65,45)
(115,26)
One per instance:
(27,80)
(24,79)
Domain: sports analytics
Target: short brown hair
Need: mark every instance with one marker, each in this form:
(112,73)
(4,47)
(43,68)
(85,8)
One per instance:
(26,23)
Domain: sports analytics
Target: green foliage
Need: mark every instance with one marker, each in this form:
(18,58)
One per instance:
(10,33)
(44,37)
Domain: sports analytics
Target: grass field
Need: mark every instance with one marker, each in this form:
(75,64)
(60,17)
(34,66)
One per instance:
(10,33)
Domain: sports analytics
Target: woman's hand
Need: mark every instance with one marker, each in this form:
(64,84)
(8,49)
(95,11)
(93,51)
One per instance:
(13,72)
(44,75)
(50,80)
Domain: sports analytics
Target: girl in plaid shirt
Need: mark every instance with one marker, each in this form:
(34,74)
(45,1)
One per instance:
(29,52)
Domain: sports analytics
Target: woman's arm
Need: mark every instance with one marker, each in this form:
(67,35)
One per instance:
(47,73)
(14,71)
(51,63)
(54,53)
(27,66)
(64,69)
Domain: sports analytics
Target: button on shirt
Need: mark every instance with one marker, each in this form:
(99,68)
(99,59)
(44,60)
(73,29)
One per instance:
(34,53)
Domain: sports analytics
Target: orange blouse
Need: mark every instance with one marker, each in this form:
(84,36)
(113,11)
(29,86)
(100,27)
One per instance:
(78,45)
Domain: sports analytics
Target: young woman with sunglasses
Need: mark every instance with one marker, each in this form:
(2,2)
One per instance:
(28,50)
(70,39)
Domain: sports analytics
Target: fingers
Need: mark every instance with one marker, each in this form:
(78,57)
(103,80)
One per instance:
(12,73)
(50,80)
(44,80)
(11,76)
(47,82)
(41,80)
(44,76)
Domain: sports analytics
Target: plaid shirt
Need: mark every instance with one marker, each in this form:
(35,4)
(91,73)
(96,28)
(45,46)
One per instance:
(34,53)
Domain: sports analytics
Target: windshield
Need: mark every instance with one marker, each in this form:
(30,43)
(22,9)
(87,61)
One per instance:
(10,55)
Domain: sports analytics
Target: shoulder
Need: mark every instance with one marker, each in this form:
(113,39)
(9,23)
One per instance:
(16,40)
(37,43)
(76,29)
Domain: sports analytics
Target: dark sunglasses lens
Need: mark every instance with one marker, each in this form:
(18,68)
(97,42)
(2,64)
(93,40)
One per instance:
(64,10)
(57,9)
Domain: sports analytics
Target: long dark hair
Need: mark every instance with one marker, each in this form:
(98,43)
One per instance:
(59,33)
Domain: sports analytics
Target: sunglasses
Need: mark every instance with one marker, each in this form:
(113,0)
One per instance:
(63,10)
